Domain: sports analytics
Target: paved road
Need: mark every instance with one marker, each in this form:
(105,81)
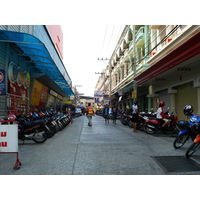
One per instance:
(103,149)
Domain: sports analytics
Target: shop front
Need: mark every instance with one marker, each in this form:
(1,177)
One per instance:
(29,77)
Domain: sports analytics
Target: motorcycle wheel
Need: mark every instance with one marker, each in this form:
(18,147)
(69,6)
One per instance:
(130,123)
(150,128)
(192,149)
(175,129)
(50,130)
(180,141)
(142,126)
(40,136)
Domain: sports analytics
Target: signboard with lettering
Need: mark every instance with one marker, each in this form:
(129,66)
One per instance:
(9,138)
(2,82)
(39,94)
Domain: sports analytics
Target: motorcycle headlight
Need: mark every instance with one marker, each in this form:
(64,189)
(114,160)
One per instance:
(192,119)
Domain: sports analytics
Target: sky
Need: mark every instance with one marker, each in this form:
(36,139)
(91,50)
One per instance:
(83,45)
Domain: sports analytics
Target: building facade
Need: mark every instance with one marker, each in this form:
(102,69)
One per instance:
(32,67)
(153,63)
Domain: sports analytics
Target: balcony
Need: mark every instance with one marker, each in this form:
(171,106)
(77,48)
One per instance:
(154,26)
(139,40)
(130,49)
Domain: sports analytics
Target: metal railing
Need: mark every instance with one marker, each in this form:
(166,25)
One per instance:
(15,104)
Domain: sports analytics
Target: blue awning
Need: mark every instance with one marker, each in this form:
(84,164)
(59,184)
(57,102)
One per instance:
(39,56)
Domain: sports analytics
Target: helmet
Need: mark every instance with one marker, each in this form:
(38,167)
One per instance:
(188,109)
(41,114)
(183,124)
(12,116)
(35,115)
(30,114)
(162,103)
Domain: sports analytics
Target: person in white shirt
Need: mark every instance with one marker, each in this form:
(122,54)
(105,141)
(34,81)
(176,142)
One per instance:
(135,116)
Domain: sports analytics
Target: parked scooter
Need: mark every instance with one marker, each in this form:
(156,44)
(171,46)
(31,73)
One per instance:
(186,128)
(144,117)
(195,128)
(35,130)
(195,145)
(154,125)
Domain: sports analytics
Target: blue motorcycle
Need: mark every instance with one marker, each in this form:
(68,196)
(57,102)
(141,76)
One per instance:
(186,128)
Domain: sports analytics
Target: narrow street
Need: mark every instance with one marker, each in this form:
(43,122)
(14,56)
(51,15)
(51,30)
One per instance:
(103,149)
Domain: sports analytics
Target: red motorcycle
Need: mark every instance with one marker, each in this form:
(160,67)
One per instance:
(154,125)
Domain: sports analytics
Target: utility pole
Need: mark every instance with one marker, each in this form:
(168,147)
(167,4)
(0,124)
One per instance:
(103,59)
(134,94)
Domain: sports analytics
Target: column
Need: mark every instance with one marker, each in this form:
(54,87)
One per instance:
(197,85)
(172,93)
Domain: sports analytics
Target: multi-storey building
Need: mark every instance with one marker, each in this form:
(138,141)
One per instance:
(31,68)
(159,63)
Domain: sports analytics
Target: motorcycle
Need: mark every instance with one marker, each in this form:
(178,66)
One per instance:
(143,118)
(186,131)
(127,120)
(154,125)
(35,130)
(196,143)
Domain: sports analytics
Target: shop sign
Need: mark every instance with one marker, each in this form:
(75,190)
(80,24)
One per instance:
(96,100)
(36,93)
(53,93)
(106,102)
(39,94)
(27,81)
(99,93)
(20,77)
(44,95)
(17,75)
(2,82)
(12,72)
(67,102)
(134,94)
(60,97)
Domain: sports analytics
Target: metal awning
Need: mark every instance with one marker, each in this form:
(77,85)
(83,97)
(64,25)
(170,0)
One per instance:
(33,48)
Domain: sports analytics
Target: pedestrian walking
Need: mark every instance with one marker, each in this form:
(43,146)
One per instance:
(135,115)
(68,111)
(72,109)
(89,114)
(114,113)
(106,113)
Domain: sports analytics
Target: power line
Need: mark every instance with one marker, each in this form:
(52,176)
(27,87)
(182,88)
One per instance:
(116,40)
(110,39)
(104,39)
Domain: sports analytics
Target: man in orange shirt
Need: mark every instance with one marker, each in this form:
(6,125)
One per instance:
(89,113)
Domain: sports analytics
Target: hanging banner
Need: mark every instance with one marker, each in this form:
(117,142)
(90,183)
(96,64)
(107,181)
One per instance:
(2,82)
(134,94)
(99,93)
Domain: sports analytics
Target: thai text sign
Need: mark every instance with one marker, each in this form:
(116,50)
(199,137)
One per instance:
(9,138)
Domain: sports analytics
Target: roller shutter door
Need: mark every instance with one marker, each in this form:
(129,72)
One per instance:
(164,96)
(186,94)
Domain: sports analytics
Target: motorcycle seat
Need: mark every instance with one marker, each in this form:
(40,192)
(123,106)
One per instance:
(33,123)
